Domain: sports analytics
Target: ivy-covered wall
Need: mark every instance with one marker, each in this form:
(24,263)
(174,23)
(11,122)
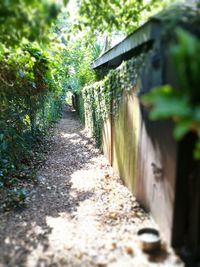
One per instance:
(103,98)
(110,110)
(132,143)
(142,151)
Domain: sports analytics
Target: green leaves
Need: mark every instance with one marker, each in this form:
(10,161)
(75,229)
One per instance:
(108,16)
(29,19)
(97,97)
(186,58)
(181,104)
(167,103)
(31,97)
(76,58)
(182,127)
(31,92)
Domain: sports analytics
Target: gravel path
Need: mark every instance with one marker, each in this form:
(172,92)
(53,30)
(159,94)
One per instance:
(80,215)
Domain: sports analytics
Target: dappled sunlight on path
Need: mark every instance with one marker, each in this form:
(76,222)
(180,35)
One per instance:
(80,214)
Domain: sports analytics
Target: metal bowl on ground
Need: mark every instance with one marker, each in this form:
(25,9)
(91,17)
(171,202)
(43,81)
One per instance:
(150,240)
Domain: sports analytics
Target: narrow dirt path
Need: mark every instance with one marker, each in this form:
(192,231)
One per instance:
(80,214)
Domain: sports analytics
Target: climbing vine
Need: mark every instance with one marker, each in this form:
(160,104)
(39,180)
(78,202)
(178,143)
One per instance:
(103,98)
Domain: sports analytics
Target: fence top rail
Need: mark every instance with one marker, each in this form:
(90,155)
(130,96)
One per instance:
(143,35)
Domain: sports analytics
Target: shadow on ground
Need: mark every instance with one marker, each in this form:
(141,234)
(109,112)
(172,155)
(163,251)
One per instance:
(23,230)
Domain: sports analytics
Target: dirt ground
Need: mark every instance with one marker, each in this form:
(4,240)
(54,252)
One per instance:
(80,214)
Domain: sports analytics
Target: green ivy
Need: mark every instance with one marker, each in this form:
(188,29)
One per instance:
(103,98)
